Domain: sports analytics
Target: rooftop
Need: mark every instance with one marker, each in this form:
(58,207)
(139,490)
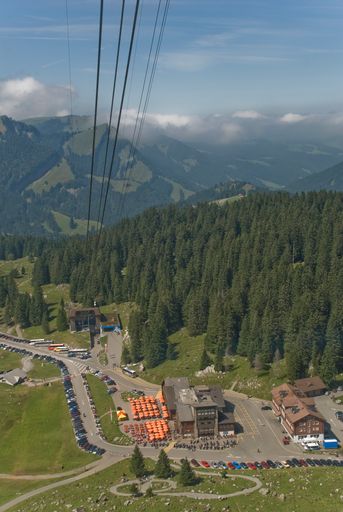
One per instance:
(310,384)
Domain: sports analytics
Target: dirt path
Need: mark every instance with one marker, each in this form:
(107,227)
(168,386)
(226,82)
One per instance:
(188,494)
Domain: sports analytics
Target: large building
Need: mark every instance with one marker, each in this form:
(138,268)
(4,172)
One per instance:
(296,410)
(198,411)
(85,319)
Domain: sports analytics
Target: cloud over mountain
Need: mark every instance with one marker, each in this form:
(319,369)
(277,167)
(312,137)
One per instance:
(28,97)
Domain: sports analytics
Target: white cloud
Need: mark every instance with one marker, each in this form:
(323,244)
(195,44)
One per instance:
(247,114)
(28,97)
(292,118)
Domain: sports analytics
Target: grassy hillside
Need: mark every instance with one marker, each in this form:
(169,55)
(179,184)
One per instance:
(238,375)
(303,490)
(80,228)
(36,432)
(60,173)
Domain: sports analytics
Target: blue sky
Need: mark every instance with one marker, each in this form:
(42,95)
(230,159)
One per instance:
(218,57)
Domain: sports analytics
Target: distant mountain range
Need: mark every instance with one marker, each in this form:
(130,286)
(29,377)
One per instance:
(45,172)
(330,179)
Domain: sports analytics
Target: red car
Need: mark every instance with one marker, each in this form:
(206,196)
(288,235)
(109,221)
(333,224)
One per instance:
(204,463)
(303,463)
(230,465)
(265,464)
(251,465)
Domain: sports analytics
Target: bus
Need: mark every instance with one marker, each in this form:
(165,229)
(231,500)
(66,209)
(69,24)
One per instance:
(129,372)
(52,346)
(41,342)
(61,349)
(78,350)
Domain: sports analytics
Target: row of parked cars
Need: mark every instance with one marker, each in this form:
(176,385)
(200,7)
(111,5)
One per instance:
(78,426)
(268,464)
(93,408)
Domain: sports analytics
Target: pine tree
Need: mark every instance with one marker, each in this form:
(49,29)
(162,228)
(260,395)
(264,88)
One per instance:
(61,321)
(205,360)
(137,464)
(125,355)
(45,321)
(328,365)
(162,468)
(8,313)
(22,310)
(186,476)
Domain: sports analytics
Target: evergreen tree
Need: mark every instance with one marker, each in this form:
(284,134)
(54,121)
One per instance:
(37,306)
(149,493)
(8,313)
(329,363)
(134,490)
(137,464)
(205,360)
(72,223)
(22,310)
(61,320)
(125,355)
(135,328)
(186,476)
(171,352)
(162,468)
(45,322)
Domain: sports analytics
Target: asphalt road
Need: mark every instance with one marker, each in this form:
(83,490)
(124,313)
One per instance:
(328,407)
(260,437)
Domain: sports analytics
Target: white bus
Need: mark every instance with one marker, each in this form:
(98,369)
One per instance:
(129,372)
(40,342)
(78,350)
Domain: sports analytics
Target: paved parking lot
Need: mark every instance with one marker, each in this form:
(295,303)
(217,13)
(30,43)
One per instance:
(260,433)
(327,407)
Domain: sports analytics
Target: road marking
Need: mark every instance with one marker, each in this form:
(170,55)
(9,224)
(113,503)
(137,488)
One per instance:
(170,446)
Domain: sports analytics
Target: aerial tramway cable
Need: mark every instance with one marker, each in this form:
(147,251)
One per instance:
(112,105)
(95,114)
(134,144)
(69,68)
(120,112)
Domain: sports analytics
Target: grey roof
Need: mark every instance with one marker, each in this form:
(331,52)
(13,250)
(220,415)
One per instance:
(169,395)
(171,386)
(184,412)
(14,376)
(177,382)
(225,418)
(217,396)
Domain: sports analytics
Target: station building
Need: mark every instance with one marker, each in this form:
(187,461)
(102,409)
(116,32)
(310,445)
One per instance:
(198,411)
(84,319)
(295,408)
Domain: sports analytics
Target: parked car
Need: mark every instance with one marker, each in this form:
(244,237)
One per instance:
(204,463)
(251,465)
(195,463)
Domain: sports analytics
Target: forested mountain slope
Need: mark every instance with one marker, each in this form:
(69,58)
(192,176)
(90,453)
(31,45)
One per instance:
(330,179)
(262,276)
(45,168)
